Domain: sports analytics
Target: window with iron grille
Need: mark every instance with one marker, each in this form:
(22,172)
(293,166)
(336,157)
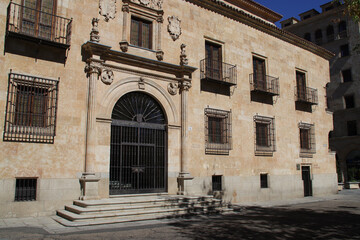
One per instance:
(140,34)
(264,134)
(25,189)
(30,109)
(307,138)
(217,131)
(217,183)
(264,180)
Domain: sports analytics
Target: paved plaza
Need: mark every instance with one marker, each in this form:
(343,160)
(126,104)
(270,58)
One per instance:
(331,217)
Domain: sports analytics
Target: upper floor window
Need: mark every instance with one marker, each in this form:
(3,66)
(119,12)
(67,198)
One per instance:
(330,33)
(217,131)
(307,138)
(342,29)
(31,109)
(344,50)
(318,36)
(307,36)
(351,128)
(349,101)
(346,75)
(141,33)
(259,69)
(264,134)
(213,56)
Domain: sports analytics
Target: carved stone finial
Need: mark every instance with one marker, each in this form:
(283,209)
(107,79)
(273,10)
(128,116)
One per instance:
(125,8)
(174,27)
(107,9)
(107,76)
(94,35)
(183,56)
(173,88)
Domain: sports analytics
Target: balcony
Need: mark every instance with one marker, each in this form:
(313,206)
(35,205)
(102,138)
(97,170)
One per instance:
(264,84)
(218,72)
(38,26)
(306,95)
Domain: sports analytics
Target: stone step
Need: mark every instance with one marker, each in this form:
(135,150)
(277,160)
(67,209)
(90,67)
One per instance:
(122,219)
(103,215)
(143,206)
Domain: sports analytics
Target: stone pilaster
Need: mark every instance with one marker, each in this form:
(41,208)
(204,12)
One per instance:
(184,173)
(89,179)
(124,44)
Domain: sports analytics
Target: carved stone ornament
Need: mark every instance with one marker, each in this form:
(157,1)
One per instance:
(107,76)
(94,35)
(185,85)
(183,56)
(174,27)
(141,83)
(154,4)
(107,9)
(124,46)
(92,69)
(160,55)
(173,88)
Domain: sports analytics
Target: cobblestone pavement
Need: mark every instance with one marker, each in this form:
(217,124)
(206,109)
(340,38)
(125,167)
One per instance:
(333,217)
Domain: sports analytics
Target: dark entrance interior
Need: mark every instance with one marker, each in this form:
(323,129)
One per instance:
(306,177)
(138,159)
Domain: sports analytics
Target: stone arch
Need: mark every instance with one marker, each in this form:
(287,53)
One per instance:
(131,84)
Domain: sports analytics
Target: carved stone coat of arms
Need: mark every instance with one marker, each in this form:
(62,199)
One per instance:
(174,27)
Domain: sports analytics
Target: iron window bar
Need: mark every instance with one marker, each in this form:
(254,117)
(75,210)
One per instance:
(25,189)
(33,24)
(264,134)
(218,138)
(306,95)
(265,84)
(30,109)
(217,71)
(307,138)
(264,180)
(217,183)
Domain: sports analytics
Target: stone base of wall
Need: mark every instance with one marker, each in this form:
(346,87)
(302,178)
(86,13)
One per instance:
(52,194)
(237,189)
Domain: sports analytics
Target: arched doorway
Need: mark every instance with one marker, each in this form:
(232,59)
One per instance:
(138,148)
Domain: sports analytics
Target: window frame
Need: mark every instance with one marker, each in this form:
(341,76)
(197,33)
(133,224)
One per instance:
(344,50)
(351,127)
(217,186)
(347,77)
(349,101)
(213,144)
(307,142)
(22,122)
(267,123)
(141,22)
(25,193)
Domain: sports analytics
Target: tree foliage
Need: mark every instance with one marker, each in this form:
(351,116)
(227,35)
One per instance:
(352,8)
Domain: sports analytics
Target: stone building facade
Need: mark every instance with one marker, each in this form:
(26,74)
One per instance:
(105,98)
(335,31)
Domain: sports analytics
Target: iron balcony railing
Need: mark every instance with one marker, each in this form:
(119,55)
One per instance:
(306,95)
(29,22)
(218,71)
(265,84)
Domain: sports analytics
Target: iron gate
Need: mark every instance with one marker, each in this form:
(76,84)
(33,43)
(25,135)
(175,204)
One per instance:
(138,162)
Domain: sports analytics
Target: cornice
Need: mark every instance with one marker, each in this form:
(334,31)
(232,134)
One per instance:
(257,9)
(239,15)
(89,49)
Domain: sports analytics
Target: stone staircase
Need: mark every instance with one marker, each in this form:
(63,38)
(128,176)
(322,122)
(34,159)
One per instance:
(129,208)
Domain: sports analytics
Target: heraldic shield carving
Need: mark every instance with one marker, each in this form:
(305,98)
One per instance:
(174,27)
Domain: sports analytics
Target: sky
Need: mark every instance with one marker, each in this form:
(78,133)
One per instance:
(292,8)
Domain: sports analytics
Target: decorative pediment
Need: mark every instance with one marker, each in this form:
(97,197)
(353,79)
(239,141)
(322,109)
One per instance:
(155,4)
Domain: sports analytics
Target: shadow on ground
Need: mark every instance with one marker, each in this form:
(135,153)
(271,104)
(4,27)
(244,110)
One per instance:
(274,223)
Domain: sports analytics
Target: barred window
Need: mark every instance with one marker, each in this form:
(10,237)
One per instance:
(140,34)
(217,183)
(264,134)
(217,131)
(307,138)
(25,189)
(264,180)
(31,109)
